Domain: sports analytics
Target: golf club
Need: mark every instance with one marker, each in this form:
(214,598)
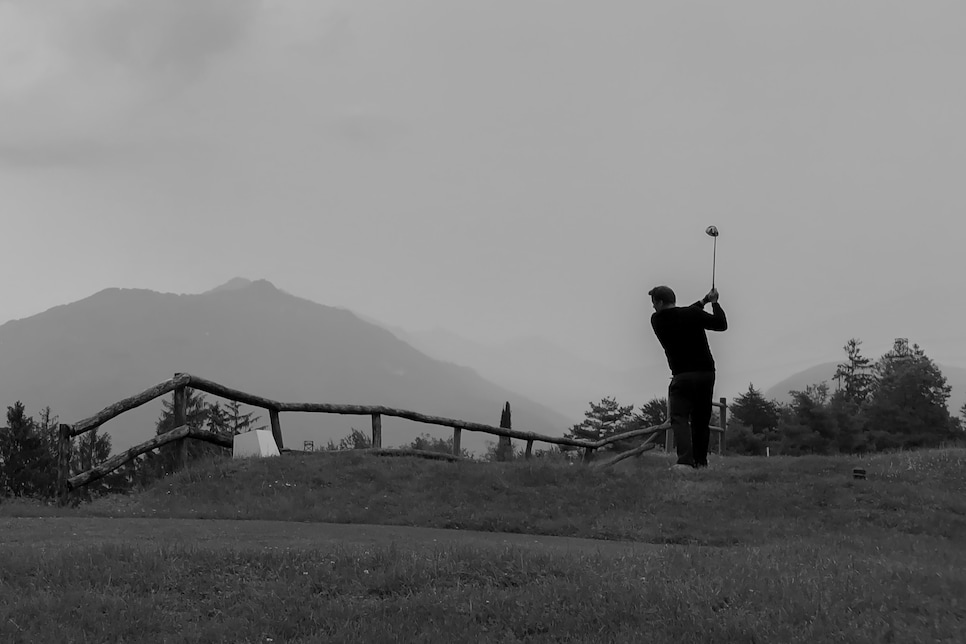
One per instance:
(713,232)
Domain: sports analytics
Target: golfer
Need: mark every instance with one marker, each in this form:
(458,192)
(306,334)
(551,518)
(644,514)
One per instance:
(682,333)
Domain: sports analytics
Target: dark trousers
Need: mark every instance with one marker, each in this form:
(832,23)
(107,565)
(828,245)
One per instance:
(689,399)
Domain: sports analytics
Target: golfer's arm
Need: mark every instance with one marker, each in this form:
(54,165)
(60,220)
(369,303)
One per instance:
(716,320)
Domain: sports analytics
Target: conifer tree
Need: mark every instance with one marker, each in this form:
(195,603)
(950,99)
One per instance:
(26,465)
(856,376)
(755,411)
(602,420)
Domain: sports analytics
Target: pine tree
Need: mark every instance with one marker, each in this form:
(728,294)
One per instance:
(48,429)
(92,449)
(856,376)
(26,466)
(196,415)
(196,411)
(811,428)
(908,407)
(217,421)
(653,412)
(849,417)
(237,422)
(602,420)
(755,411)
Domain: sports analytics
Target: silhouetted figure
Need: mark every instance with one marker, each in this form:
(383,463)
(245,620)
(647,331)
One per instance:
(682,333)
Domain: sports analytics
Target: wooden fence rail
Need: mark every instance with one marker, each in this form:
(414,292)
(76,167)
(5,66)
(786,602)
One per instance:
(118,460)
(181,381)
(118,408)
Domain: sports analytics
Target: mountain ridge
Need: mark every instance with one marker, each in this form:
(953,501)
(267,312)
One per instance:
(81,357)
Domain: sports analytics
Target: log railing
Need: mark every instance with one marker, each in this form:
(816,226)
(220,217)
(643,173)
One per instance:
(179,433)
(181,381)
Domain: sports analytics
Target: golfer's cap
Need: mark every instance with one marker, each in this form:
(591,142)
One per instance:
(664,294)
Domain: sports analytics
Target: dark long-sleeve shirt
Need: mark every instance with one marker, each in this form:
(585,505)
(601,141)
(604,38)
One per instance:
(682,333)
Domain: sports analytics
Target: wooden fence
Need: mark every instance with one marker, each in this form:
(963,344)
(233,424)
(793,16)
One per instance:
(183,432)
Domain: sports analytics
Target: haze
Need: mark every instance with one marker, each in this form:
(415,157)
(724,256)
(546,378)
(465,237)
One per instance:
(501,169)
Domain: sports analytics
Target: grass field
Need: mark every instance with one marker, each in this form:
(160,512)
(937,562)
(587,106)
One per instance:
(755,550)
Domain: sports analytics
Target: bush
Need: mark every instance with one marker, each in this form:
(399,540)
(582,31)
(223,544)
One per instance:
(353,440)
(428,443)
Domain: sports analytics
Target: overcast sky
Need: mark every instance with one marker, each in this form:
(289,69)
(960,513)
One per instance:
(501,168)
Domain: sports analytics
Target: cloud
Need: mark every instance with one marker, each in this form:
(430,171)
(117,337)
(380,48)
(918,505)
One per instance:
(170,40)
(70,70)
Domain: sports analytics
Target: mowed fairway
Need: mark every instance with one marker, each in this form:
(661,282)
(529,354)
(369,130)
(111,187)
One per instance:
(757,550)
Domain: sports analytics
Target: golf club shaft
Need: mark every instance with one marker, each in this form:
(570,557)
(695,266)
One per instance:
(714,260)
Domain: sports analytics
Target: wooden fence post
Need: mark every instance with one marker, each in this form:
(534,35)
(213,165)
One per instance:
(377,431)
(63,463)
(276,428)
(723,423)
(180,414)
(588,454)
(457,434)
(529,449)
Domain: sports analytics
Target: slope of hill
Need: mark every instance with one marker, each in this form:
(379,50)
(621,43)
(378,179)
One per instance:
(955,377)
(81,357)
(541,370)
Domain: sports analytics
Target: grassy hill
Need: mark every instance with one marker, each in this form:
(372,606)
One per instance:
(747,500)
(771,550)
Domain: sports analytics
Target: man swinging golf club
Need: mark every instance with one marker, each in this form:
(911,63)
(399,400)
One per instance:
(682,333)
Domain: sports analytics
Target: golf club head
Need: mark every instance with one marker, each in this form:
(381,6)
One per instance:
(711,231)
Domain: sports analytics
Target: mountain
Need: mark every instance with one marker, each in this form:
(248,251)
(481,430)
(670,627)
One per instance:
(798,381)
(955,377)
(542,370)
(234,284)
(81,357)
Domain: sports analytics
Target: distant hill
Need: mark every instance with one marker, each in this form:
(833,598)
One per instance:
(542,370)
(798,381)
(234,284)
(955,377)
(80,357)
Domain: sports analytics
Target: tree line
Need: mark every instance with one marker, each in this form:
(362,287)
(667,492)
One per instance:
(896,402)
